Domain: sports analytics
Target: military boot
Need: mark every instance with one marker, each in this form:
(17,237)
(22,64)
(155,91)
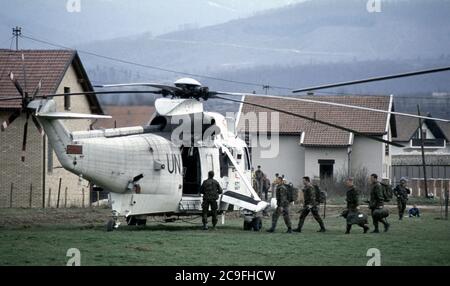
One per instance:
(349,227)
(386,226)
(289,230)
(272,229)
(205,226)
(322,227)
(366,228)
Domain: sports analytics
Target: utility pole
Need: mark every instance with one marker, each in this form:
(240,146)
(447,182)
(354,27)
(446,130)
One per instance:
(17,32)
(266,88)
(422,142)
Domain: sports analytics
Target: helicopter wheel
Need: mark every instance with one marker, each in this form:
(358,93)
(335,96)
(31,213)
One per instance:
(248,225)
(110,225)
(256,224)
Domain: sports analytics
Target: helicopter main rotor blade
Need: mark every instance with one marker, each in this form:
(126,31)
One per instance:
(10,120)
(170,88)
(372,79)
(314,120)
(332,104)
(103,92)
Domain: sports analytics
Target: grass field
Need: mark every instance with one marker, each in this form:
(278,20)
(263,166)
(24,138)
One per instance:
(42,237)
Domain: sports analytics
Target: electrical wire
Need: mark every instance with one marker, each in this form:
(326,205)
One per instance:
(153,67)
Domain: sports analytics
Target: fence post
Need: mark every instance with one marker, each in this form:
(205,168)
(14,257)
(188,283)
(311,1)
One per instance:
(65,198)
(49,197)
(11,195)
(82,198)
(59,193)
(446,203)
(98,198)
(31,195)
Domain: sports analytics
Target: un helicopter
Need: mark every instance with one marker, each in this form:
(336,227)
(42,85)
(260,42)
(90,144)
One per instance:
(156,170)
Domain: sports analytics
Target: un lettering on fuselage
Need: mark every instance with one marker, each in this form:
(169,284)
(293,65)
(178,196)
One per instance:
(173,163)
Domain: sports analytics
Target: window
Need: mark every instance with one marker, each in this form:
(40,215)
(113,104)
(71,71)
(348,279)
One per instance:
(67,98)
(386,149)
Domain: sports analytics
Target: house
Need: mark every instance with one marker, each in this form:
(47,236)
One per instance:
(297,147)
(35,182)
(407,161)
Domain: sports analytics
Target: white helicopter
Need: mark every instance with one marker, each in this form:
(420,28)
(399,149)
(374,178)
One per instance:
(156,170)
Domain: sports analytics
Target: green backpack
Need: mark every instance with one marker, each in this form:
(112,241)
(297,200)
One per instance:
(388,193)
(292,193)
(321,196)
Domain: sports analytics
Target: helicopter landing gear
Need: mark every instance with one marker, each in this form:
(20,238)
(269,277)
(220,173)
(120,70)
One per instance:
(252,222)
(136,220)
(113,223)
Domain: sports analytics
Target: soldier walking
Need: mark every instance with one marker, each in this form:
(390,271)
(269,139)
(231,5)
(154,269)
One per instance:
(352,213)
(210,189)
(376,204)
(401,192)
(311,204)
(282,207)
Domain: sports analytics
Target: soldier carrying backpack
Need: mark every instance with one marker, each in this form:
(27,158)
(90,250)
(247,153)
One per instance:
(310,204)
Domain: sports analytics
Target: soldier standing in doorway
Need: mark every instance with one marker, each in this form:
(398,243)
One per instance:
(210,189)
(311,204)
(401,192)
(282,207)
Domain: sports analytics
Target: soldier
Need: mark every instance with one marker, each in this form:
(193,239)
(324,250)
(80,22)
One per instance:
(401,192)
(282,207)
(376,204)
(352,212)
(311,204)
(259,180)
(275,184)
(210,189)
(266,187)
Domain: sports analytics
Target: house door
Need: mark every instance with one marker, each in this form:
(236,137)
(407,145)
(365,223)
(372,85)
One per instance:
(326,168)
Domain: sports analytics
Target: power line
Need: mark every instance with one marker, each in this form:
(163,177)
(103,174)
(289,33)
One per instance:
(263,86)
(153,67)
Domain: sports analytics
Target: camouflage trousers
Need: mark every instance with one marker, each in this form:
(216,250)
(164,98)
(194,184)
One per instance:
(304,213)
(205,207)
(401,204)
(281,211)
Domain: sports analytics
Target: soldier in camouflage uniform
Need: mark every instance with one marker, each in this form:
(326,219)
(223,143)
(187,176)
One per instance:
(210,189)
(282,207)
(401,192)
(376,204)
(352,212)
(311,204)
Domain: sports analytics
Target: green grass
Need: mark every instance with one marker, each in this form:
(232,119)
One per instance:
(424,241)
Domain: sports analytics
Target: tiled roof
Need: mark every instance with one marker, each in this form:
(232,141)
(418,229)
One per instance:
(49,66)
(367,122)
(125,116)
(406,127)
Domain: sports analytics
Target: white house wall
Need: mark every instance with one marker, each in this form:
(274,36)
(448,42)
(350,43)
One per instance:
(369,154)
(290,160)
(314,154)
